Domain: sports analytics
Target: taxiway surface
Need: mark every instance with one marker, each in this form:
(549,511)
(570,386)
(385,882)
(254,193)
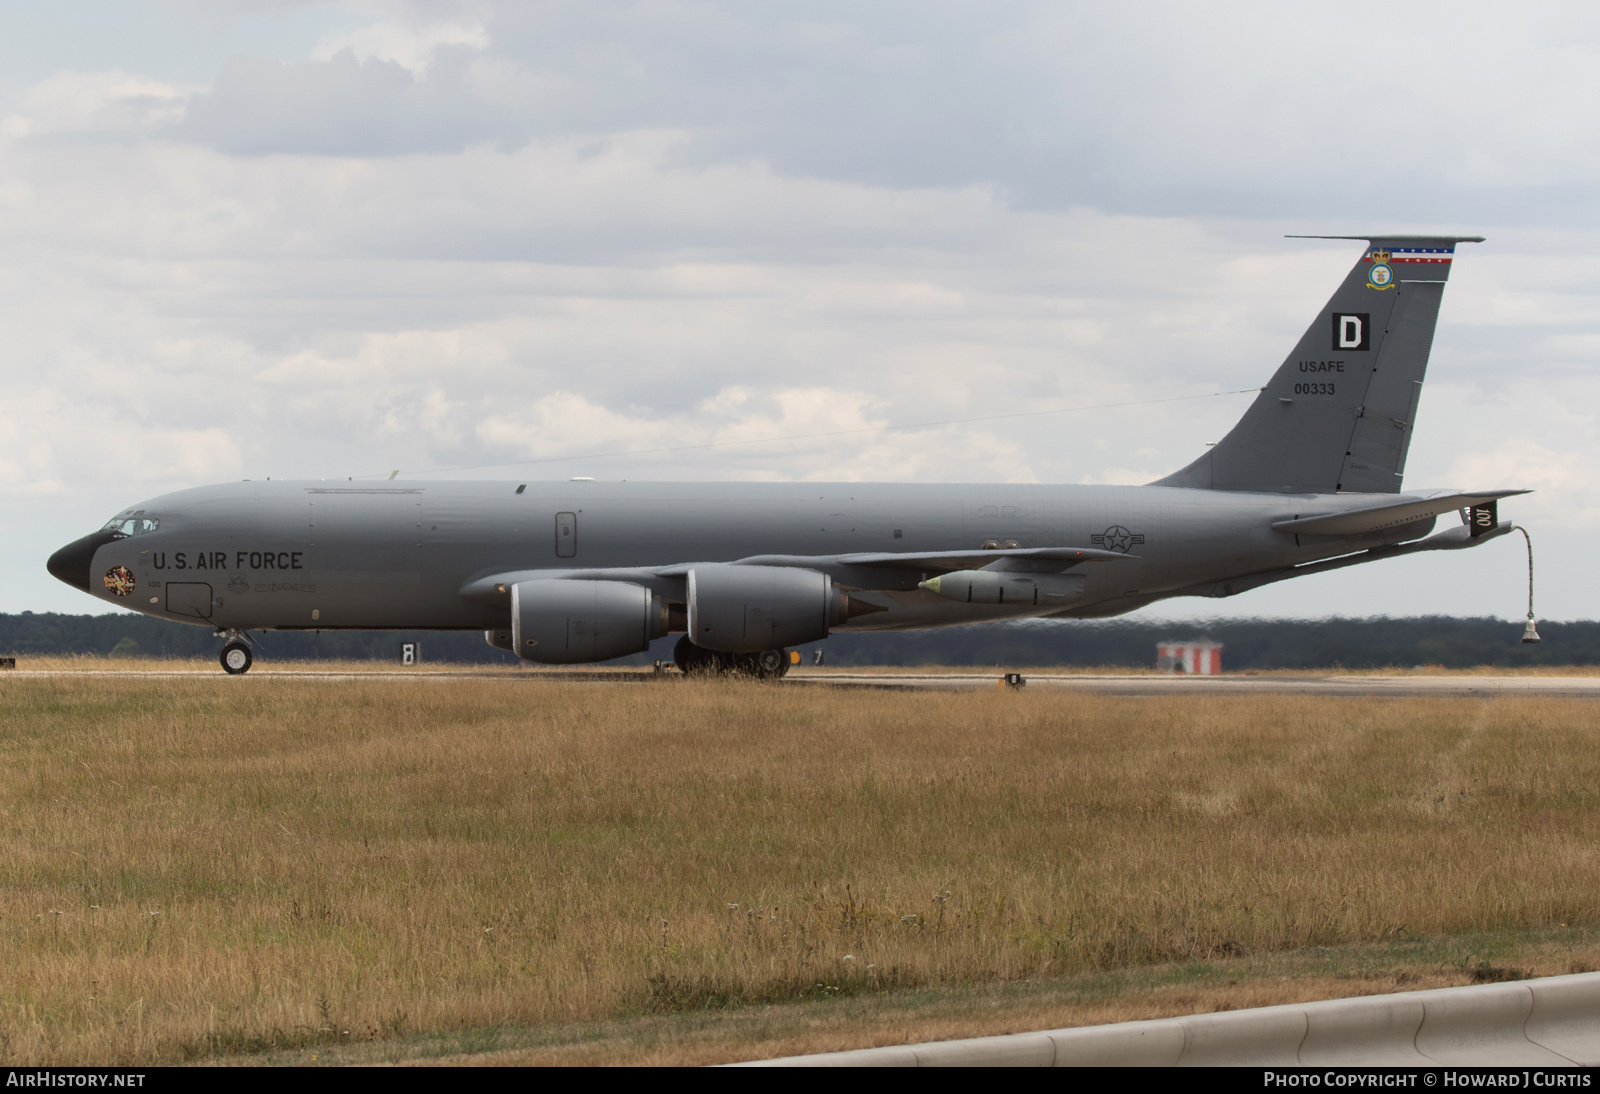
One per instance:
(1399,686)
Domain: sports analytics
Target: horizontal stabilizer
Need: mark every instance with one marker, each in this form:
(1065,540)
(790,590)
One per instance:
(1398,239)
(1356,522)
(1452,539)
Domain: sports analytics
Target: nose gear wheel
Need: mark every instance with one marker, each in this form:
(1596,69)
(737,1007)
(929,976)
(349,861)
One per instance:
(236,658)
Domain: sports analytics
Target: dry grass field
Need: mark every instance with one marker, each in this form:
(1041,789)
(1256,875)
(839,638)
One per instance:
(238,870)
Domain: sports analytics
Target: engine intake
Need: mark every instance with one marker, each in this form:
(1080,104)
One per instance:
(558,622)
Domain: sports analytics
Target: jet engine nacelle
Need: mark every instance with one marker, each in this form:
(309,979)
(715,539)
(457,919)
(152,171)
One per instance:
(746,609)
(559,622)
(1006,587)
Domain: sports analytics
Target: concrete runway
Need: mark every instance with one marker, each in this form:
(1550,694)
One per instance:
(1408,686)
(1584,687)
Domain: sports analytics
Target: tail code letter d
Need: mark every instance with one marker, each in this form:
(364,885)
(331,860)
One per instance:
(1350,331)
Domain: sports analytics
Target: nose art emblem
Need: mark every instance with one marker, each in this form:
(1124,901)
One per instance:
(119,580)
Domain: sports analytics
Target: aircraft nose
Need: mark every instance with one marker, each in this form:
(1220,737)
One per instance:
(72,563)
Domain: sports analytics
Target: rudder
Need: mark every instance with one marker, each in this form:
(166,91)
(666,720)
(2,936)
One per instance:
(1338,413)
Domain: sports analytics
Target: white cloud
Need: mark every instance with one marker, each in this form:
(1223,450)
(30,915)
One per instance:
(665,226)
(53,445)
(1568,496)
(409,38)
(109,102)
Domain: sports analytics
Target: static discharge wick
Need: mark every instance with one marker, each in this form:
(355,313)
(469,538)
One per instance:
(810,436)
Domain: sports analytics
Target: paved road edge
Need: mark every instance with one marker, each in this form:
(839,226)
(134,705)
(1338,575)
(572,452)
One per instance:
(1551,1022)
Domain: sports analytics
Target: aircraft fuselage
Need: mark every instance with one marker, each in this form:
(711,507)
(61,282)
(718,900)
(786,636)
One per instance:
(328,555)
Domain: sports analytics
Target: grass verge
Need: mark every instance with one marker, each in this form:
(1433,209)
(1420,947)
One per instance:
(254,869)
(726,1035)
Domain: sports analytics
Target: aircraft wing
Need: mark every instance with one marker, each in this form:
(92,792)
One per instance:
(862,569)
(1355,522)
(1036,559)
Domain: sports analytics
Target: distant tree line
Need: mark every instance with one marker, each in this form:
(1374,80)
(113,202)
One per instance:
(1248,643)
(1375,642)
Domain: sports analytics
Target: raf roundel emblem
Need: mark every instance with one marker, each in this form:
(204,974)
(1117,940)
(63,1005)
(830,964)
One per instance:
(119,580)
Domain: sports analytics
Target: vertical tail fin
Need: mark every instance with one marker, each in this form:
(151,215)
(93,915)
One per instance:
(1337,415)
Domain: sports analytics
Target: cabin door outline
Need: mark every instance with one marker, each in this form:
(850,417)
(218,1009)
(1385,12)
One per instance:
(566,535)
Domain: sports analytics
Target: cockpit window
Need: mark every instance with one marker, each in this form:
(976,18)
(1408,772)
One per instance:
(136,525)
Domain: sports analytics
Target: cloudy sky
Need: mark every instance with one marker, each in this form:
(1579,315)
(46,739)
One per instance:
(315,240)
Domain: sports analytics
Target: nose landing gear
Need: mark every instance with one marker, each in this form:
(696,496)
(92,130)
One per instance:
(236,657)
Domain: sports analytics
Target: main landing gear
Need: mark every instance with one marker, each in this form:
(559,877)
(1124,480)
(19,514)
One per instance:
(236,657)
(699,661)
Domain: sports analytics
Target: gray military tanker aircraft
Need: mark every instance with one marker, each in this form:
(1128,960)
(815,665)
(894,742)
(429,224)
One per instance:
(570,572)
